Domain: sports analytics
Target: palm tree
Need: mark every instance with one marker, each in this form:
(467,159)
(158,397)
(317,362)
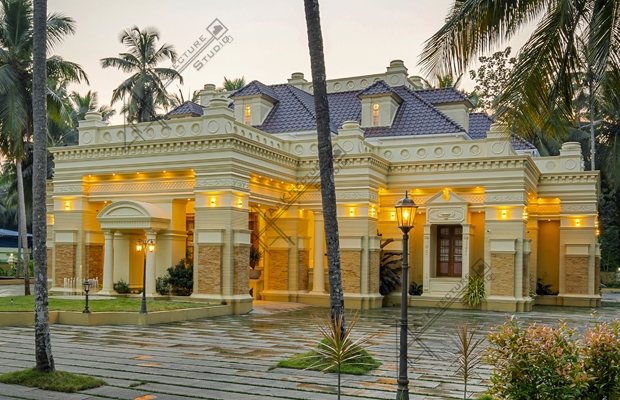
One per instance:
(16,47)
(43,344)
(326,161)
(540,91)
(233,84)
(144,88)
(178,99)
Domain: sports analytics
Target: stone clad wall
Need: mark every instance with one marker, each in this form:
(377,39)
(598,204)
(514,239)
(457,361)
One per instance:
(277,271)
(526,275)
(65,263)
(209,271)
(94,262)
(303,262)
(597,275)
(502,268)
(576,275)
(50,262)
(350,261)
(375,261)
(241,278)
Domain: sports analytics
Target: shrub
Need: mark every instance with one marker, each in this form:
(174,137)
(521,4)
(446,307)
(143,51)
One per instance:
(181,278)
(474,292)
(544,289)
(390,265)
(121,287)
(600,358)
(537,362)
(162,286)
(415,289)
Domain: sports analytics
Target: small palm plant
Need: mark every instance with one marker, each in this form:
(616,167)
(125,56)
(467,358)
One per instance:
(475,292)
(337,346)
(467,354)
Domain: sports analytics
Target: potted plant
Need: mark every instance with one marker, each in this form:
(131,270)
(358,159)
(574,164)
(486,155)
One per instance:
(255,256)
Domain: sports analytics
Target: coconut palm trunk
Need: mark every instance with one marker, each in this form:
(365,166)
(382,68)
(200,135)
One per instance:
(43,344)
(326,159)
(22,230)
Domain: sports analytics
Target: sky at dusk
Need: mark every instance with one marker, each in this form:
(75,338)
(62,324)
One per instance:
(269,39)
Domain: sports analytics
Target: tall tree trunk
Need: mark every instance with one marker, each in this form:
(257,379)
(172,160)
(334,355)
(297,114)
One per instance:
(592,140)
(326,159)
(43,342)
(22,230)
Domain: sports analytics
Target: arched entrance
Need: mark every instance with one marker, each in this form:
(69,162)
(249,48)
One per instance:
(123,223)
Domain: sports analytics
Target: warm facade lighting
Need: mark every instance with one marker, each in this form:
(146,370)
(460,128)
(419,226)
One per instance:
(212,201)
(151,247)
(139,246)
(577,222)
(525,214)
(405,212)
(248,114)
(375,115)
(446,195)
(504,214)
(351,212)
(67,206)
(393,215)
(240,203)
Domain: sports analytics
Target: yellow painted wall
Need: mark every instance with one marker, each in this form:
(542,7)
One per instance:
(477,243)
(416,249)
(549,253)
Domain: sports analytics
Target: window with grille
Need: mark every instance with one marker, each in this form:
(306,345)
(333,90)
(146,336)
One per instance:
(449,250)
(248,114)
(375,115)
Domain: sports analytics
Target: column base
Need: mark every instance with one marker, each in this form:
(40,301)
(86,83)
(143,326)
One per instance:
(352,301)
(106,293)
(241,303)
(578,300)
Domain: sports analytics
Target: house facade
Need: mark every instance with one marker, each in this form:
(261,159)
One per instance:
(241,170)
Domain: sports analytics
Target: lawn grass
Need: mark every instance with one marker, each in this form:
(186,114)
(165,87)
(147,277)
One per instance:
(312,360)
(26,303)
(58,381)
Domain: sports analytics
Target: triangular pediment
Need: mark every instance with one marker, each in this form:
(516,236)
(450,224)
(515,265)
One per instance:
(445,197)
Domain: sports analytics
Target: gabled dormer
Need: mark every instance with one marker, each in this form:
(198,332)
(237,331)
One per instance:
(253,103)
(379,105)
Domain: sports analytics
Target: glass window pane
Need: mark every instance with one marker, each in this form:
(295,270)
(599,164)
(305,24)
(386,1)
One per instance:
(444,231)
(457,269)
(458,231)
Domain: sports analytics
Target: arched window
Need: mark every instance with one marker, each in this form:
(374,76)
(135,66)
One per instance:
(375,115)
(248,113)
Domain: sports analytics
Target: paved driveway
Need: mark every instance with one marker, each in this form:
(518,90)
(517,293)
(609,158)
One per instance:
(230,357)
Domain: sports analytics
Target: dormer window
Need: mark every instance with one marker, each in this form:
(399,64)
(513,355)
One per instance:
(379,105)
(248,114)
(375,114)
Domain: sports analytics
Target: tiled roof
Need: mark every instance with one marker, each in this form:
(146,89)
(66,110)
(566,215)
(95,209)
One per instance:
(254,88)
(480,124)
(379,87)
(188,108)
(415,116)
(294,111)
(443,95)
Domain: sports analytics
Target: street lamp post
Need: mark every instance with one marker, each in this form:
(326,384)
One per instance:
(86,285)
(143,245)
(405,212)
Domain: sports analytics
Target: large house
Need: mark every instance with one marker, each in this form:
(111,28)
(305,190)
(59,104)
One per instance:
(240,169)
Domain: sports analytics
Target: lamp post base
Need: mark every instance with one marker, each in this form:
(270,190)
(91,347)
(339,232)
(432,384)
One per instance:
(402,394)
(143,307)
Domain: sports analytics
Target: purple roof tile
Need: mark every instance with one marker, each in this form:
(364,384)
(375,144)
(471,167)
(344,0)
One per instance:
(188,108)
(443,95)
(480,124)
(379,87)
(254,88)
(415,116)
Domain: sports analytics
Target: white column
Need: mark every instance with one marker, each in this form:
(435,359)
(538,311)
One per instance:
(150,264)
(318,279)
(108,262)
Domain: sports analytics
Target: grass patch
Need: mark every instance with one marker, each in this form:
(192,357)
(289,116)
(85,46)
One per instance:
(26,303)
(312,360)
(58,381)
